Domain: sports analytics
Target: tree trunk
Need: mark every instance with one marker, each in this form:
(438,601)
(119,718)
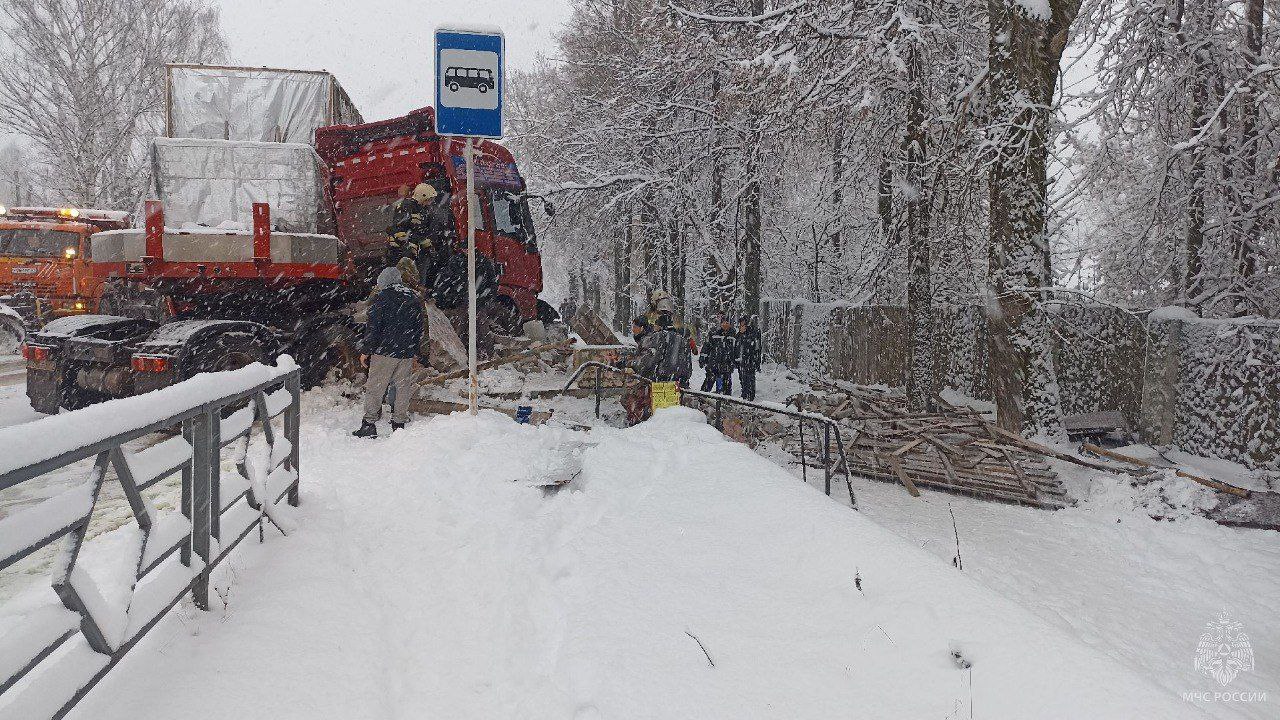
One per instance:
(622,275)
(1193,278)
(1025,57)
(1246,238)
(751,227)
(837,186)
(751,208)
(920,380)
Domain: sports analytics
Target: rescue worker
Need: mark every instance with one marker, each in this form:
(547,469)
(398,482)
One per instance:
(392,350)
(407,217)
(662,356)
(636,398)
(640,328)
(440,231)
(659,301)
(749,354)
(719,355)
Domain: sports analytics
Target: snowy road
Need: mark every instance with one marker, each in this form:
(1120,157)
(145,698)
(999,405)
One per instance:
(14,406)
(425,580)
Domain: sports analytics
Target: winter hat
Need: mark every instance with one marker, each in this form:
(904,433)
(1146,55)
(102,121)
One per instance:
(424,193)
(388,277)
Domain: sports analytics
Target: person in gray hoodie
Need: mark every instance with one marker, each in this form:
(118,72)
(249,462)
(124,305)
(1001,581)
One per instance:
(392,346)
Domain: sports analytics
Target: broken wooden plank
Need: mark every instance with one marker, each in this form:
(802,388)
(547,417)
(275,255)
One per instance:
(1207,482)
(906,481)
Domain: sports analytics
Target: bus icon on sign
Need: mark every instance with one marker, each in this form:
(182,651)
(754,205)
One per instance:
(479,78)
(470,79)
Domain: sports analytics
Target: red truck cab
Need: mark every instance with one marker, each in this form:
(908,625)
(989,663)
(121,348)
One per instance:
(372,164)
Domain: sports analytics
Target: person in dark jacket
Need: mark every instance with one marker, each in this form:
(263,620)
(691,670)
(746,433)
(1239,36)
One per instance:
(719,356)
(441,232)
(392,348)
(749,355)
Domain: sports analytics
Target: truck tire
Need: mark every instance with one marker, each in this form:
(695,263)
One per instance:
(506,315)
(332,348)
(12,331)
(546,313)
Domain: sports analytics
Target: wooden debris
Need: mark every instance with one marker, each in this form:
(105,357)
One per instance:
(953,449)
(420,379)
(588,326)
(1207,482)
(907,482)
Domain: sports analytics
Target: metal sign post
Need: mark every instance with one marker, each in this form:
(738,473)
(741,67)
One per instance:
(473,380)
(470,73)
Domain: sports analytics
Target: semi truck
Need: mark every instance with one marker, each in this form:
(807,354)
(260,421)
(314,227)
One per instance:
(372,164)
(250,249)
(44,264)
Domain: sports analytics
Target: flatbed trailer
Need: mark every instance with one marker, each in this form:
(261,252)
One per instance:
(179,302)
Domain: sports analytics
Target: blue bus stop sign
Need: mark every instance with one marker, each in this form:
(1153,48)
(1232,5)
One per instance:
(469,79)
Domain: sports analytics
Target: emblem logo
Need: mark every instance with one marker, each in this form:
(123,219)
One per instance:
(1224,650)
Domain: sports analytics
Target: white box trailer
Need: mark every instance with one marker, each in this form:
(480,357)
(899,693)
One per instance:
(255,104)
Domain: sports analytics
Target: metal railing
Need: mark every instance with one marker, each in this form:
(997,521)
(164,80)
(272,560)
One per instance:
(178,550)
(830,428)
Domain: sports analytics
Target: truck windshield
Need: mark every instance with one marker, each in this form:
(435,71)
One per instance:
(511,218)
(26,242)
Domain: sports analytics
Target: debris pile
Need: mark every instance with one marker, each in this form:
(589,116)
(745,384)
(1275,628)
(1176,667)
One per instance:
(949,448)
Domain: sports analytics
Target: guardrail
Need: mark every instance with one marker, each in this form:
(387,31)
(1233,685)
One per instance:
(177,552)
(830,428)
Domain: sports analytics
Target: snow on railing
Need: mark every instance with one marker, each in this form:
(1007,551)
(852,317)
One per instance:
(53,651)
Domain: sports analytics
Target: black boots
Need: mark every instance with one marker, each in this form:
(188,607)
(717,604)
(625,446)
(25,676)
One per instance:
(396,426)
(367,430)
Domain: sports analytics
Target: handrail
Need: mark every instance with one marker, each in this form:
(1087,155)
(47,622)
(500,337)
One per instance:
(178,551)
(828,424)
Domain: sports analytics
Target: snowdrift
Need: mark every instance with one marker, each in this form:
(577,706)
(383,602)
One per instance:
(680,576)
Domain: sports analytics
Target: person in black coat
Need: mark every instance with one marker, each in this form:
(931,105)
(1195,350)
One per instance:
(749,355)
(391,350)
(719,356)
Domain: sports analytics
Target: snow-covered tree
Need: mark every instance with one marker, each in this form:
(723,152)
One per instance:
(83,81)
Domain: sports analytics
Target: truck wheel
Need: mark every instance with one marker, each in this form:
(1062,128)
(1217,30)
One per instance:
(506,315)
(332,349)
(483,88)
(546,313)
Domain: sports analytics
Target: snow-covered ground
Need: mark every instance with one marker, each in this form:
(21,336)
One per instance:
(425,579)
(1135,589)
(15,409)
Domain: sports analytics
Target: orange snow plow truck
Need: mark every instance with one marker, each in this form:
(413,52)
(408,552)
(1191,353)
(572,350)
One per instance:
(44,264)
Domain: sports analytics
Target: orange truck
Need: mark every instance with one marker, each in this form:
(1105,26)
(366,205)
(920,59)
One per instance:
(45,269)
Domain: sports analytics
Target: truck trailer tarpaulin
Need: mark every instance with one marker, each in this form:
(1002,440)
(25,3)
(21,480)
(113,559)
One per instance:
(257,104)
